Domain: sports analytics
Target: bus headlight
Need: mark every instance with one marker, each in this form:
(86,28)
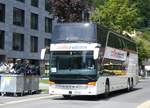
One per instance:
(51,82)
(92,83)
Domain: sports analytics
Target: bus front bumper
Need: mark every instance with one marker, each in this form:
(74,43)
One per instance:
(70,89)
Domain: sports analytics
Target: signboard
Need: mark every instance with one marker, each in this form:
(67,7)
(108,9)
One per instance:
(112,53)
(73,46)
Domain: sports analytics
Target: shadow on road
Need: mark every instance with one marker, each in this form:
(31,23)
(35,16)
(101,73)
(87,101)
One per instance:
(98,97)
(122,92)
(22,94)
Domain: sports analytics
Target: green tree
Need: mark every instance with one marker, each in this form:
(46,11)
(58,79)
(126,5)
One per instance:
(146,36)
(117,14)
(143,44)
(96,3)
(68,10)
(144,8)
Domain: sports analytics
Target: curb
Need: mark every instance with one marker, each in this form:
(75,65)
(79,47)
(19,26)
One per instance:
(144,105)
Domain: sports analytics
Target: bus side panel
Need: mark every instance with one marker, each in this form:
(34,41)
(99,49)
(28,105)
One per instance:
(115,83)
(101,85)
(133,69)
(118,82)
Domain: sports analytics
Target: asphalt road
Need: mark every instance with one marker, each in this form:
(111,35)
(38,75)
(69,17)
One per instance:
(118,99)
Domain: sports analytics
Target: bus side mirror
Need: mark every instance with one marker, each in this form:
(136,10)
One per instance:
(96,53)
(43,53)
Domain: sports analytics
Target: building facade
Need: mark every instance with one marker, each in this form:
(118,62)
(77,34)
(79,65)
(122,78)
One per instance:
(25,28)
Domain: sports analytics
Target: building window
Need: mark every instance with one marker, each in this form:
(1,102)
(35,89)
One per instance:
(20,0)
(48,6)
(47,42)
(34,44)
(2,12)
(2,39)
(18,42)
(35,3)
(48,25)
(34,21)
(18,17)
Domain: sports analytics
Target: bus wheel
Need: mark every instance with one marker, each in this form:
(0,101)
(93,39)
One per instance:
(132,84)
(128,85)
(67,96)
(107,89)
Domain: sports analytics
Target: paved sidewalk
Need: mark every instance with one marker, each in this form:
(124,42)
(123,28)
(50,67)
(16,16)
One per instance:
(43,86)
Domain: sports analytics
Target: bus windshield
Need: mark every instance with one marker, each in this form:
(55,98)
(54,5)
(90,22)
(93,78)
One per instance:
(74,32)
(73,63)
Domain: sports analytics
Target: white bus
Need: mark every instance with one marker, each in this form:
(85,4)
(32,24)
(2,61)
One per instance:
(89,59)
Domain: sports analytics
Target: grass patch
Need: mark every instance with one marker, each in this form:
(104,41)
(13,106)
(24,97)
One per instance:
(45,81)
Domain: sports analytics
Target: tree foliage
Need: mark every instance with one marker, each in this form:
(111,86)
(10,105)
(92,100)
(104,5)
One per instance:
(144,9)
(68,10)
(117,14)
(143,43)
(95,3)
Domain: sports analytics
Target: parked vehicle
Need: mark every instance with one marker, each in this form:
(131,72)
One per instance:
(89,59)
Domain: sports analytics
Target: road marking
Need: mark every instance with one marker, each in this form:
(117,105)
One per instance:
(144,105)
(26,100)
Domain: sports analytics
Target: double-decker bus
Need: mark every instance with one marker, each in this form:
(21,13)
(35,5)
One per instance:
(89,59)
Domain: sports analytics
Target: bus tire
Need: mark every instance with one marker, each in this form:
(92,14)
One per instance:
(67,96)
(128,85)
(107,89)
(132,84)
